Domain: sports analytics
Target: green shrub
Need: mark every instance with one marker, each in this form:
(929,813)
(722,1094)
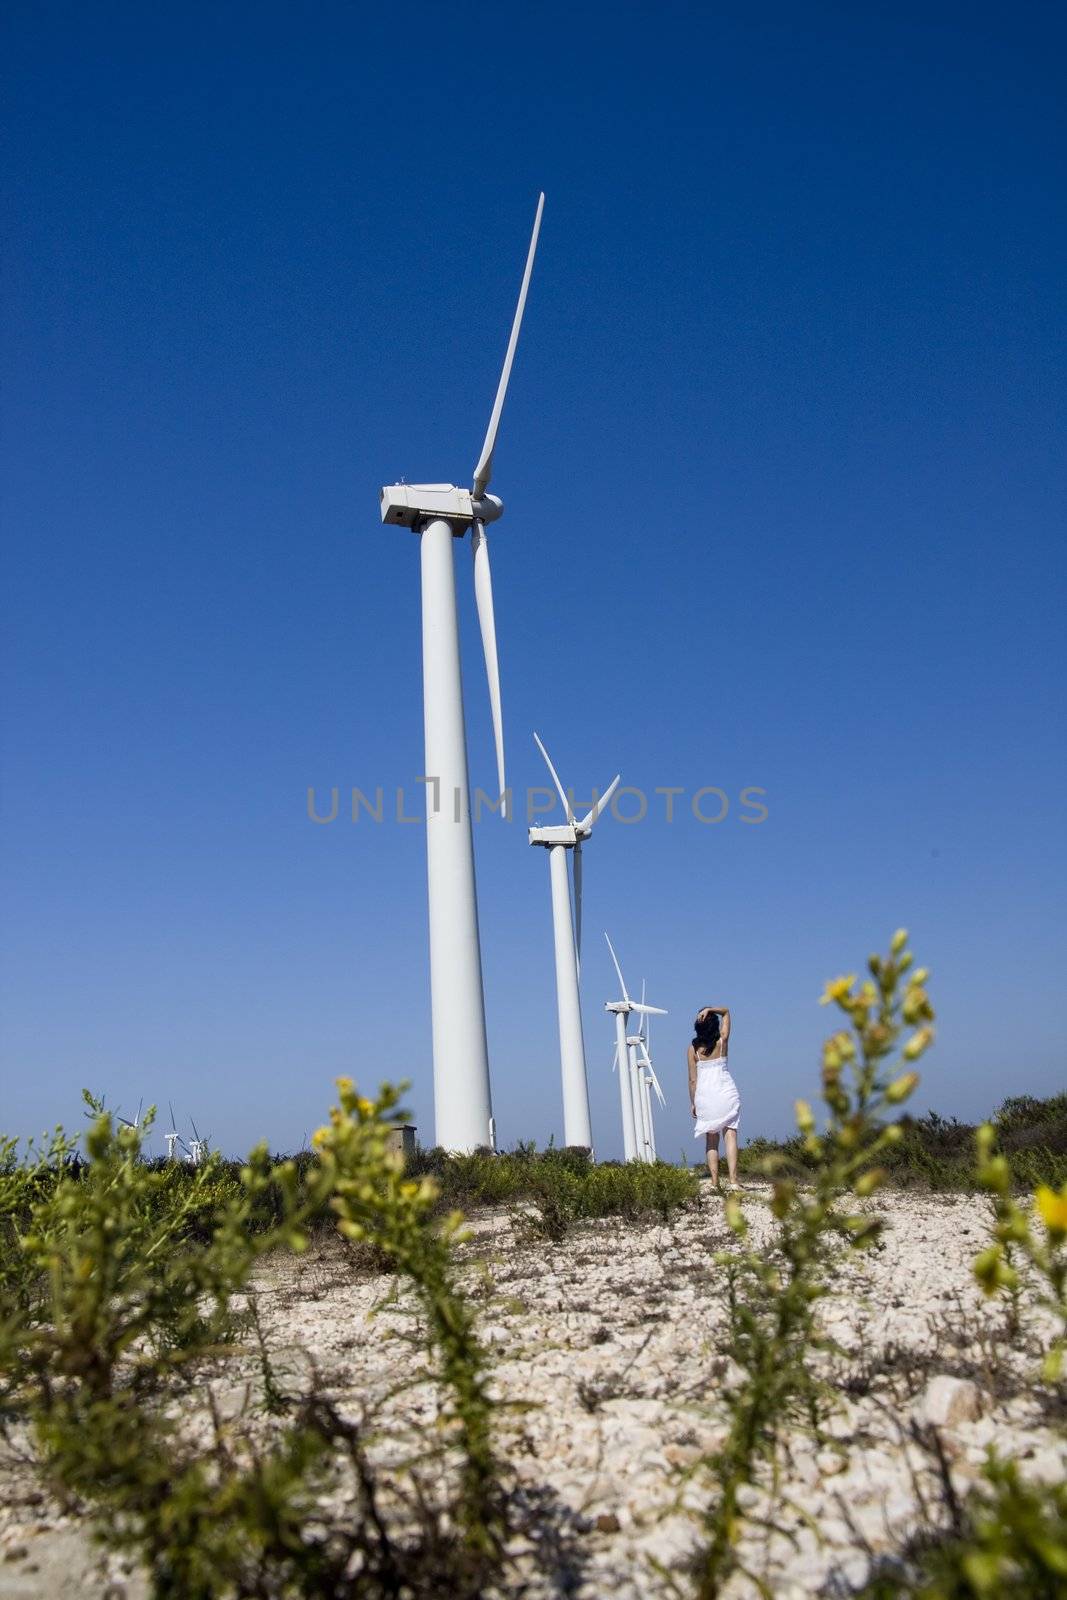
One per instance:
(554,1189)
(110,1363)
(935,1152)
(1007,1538)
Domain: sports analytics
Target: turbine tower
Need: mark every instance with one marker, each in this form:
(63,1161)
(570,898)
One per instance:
(441,513)
(577,1129)
(629,1090)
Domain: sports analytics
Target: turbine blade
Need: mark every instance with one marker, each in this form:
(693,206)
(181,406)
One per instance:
(484,470)
(618,969)
(646,1062)
(170,1108)
(560,790)
(647,1011)
(615,1058)
(591,816)
(483,599)
(578,905)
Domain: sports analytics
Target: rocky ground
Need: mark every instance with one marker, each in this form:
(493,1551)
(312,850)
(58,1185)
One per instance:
(610,1342)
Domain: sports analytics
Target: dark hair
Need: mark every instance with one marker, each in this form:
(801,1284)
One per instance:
(707,1031)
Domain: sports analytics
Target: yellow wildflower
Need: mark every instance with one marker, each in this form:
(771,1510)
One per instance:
(1053,1209)
(901,1088)
(838,989)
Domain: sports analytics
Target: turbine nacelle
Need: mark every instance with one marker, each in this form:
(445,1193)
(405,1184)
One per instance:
(566,834)
(408,505)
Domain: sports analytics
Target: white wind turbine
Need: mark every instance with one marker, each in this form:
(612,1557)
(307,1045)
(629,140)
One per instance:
(629,1089)
(644,1075)
(136,1123)
(440,513)
(198,1148)
(173,1137)
(577,1129)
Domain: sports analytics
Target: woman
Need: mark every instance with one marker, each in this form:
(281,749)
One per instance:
(713,1097)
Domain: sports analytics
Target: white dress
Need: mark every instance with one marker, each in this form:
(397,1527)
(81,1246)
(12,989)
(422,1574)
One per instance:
(717,1101)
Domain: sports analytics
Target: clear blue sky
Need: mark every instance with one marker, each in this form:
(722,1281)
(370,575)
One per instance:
(784,467)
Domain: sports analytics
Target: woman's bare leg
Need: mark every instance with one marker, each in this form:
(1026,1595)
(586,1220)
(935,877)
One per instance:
(730,1139)
(711,1145)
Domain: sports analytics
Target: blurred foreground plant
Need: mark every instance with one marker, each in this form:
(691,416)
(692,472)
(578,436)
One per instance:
(26,1178)
(1016,1236)
(1007,1536)
(377,1203)
(774,1291)
(110,1363)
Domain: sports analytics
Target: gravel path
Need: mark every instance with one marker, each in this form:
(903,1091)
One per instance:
(609,1345)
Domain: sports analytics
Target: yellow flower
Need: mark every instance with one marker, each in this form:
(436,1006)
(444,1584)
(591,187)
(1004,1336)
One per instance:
(901,1088)
(838,989)
(1053,1209)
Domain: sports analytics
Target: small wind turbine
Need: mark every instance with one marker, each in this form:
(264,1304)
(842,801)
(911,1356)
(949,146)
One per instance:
(645,1076)
(173,1137)
(441,513)
(136,1123)
(198,1148)
(629,1090)
(577,1129)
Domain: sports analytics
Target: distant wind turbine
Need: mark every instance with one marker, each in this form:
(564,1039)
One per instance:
(558,840)
(136,1123)
(629,1090)
(644,1075)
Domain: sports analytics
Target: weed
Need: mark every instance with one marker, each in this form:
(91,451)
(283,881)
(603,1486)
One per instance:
(108,1359)
(773,1294)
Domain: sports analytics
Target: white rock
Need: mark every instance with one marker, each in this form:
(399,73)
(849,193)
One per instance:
(947,1401)
(1048,1466)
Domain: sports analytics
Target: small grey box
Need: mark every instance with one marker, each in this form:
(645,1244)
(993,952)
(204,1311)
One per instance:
(403,1139)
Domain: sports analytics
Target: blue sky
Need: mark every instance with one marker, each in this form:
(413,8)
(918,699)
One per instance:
(783,460)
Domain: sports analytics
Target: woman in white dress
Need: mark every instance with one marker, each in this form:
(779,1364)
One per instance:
(713,1097)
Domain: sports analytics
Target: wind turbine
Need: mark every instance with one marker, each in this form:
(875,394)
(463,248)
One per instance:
(629,1091)
(644,1074)
(557,841)
(136,1122)
(173,1137)
(440,513)
(198,1148)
